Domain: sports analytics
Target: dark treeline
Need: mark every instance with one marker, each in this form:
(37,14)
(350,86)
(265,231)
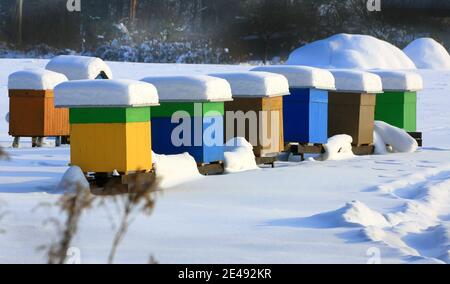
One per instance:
(204,30)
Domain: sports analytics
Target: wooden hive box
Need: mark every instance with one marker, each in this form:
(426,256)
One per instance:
(351,109)
(398,104)
(110,127)
(305,111)
(198,103)
(256,112)
(31,105)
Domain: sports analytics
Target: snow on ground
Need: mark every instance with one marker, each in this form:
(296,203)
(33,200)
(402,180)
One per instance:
(342,211)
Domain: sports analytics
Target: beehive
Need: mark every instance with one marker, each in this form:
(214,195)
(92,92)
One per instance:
(351,108)
(110,124)
(190,116)
(398,104)
(256,112)
(305,110)
(31,105)
(80,67)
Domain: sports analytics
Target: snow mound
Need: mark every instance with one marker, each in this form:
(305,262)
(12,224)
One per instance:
(239,156)
(191,88)
(73,180)
(35,79)
(357,81)
(351,51)
(86,93)
(255,84)
(428,54)
(80,67)
(353,214)
(338,147)
(398,139)
(174,170)
(399,80)
(302,76)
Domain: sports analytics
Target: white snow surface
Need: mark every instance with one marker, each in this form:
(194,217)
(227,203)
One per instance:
(264,216)
(35,79)
(397,138)
(173,170)
(427,53)
(191,88)
(302,76)
(255,84)
(357,81)
(351,51)
(399,80)
(86,93)
(79,67)
(239,156)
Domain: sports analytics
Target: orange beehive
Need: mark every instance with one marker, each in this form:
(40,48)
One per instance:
(31,105)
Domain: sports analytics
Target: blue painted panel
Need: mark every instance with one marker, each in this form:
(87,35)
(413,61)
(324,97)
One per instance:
(306,116)
(162,129)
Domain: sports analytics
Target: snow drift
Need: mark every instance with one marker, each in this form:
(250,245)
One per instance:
(351,51)
(173,170)
(72,181)
(239,156)
(398,139)
(338,147)
(428,54)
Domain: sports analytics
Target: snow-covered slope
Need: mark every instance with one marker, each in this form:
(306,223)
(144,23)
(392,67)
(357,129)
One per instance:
(351,51)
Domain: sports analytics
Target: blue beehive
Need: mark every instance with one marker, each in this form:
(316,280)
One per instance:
(197,103)
(306,109)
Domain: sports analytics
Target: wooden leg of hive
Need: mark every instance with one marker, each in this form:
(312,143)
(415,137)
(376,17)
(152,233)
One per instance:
(39,141)
(16,142)
(34,142)
(58,141)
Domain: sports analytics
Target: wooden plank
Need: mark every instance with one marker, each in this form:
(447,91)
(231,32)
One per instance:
(109,115)
(363,150)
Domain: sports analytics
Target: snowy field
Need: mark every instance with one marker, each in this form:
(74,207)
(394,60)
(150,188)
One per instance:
(393,206)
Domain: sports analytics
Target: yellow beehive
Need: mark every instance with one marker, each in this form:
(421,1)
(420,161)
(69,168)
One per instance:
(109,124)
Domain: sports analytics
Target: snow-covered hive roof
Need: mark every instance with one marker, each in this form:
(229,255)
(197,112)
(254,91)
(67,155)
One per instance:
(80,67)
(357,81)
(191,88)
(348,51)
(399,80)
(35,79)
(255,84)
(107,93)
(302,76)
(428,54)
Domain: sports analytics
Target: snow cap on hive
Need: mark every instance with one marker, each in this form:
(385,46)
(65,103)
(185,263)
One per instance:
(302,76)
(400,80)
(80,67)
(191,88)
(35,79)
(357,81)
(256,84)
(107,93)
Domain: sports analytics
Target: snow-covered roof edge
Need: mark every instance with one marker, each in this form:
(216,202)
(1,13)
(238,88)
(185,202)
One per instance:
(191,88)
(79,67)
(35,79)
(255,84)
(302,76)
(105,93)
(357,81)
(394,80)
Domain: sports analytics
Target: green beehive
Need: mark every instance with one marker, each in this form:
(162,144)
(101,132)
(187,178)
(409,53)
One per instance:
(398,104)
